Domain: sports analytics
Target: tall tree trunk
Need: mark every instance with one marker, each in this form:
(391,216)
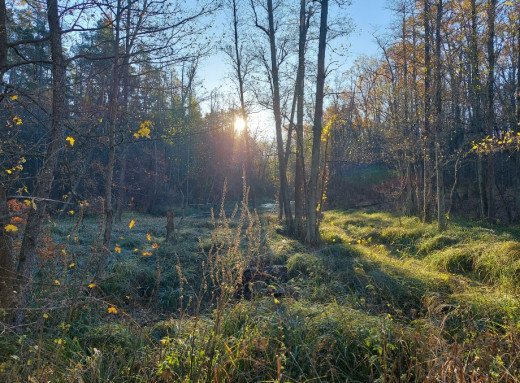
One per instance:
(3,41)
(7,274)
(408,203)
(417,168)
(441,203)
(491,119)
(517,155)
(518,74)
(427,191)
(299,177)
(121,186)
(284,187)
(243,111)
(476,120)
(312,190)
(45,178)
(112,122)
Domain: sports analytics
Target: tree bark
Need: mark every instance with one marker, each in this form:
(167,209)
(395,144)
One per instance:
(3,41)
(441,203)
(45,178)
(312,190)
(475,91)
(299,177)
(170,226)
(518,75)
(284,187)
(243,111)
(7,273)
(427,191)
(112,122)
(491,119)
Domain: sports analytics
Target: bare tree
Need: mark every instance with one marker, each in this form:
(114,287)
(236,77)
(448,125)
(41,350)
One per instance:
(44,181)
(439,167)
(490,113)
(313,194)
(270,31)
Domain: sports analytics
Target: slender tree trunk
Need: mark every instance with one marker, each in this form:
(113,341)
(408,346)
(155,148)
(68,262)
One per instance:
(417,168)
(243,111)
(299,178)
(408,203)
(121,186)
(441,203)
(475,92)
(112,122)
(284,187)
(44,181)
(129,41)
(427,192)
(7,273)
(517,155)
(3,41)
(518,75)
(491,119)
(312,190)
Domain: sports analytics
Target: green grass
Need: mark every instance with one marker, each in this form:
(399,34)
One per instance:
(385,298)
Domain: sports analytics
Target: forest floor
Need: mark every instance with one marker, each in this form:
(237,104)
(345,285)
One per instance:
(384,298)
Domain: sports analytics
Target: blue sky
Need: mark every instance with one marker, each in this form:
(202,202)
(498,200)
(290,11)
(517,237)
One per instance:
(368,16)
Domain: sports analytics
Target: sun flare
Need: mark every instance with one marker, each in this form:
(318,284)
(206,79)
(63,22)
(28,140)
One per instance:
(240,124)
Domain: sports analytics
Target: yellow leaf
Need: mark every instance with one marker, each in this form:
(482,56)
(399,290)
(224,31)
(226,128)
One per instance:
(92,285)
(71,212)
(11,228)
(14,97)
(118,249)
(45,315)
(148,237)
(17,120)
(100,120)
(57,283)
(144,130)
(112,310)
(132,224)
(146,253)
(70,140)
(136,249)
(72,264)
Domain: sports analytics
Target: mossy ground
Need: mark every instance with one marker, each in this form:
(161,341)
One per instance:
(385,298)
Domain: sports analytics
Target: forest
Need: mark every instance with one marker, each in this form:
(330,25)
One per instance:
(317,218)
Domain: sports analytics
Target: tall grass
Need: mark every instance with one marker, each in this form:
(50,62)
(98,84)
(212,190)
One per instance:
(385,299)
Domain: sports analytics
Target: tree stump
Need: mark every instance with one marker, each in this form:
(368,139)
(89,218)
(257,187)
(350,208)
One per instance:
(170,226)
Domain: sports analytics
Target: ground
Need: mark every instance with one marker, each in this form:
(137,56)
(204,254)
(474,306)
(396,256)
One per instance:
(384,298)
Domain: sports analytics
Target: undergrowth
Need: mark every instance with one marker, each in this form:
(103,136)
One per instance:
(384,299)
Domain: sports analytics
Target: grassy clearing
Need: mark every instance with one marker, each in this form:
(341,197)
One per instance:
(384,299)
